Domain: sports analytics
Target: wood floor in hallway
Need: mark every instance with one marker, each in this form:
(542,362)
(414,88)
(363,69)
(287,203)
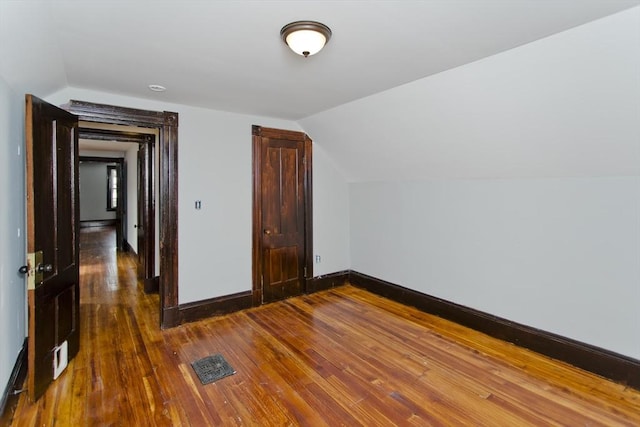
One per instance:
(338,357)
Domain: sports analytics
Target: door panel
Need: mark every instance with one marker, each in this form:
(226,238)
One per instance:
(280,225)
(283,201)
(66,318)
(52,227)
(65,169)
(283,272)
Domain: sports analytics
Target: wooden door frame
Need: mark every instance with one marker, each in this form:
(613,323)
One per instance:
(145,171)
(258,132)
(133,137)
(167,124)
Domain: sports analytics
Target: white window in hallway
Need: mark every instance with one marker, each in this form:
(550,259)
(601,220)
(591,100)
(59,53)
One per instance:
(112,188)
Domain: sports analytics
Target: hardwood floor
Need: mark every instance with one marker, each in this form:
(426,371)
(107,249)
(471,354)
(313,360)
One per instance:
(339,357)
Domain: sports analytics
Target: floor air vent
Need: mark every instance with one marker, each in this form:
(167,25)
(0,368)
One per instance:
(212,368)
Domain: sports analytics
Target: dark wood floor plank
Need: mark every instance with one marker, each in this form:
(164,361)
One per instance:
(338,357)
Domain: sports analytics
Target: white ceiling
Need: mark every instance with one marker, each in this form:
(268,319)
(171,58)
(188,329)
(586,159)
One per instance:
(227,55)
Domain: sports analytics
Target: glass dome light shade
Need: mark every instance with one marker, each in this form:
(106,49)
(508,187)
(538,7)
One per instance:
(305,37)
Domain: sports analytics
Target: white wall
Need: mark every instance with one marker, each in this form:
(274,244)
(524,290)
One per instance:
(214,153)
(12,219)
(330,215)
(510,185)
(215,167)
(561,254)
(93,192)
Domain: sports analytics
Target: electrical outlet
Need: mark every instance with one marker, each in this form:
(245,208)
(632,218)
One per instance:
(318,259)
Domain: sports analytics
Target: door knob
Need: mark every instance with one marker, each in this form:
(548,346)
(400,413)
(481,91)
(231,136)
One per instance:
(24,269)
(267,232)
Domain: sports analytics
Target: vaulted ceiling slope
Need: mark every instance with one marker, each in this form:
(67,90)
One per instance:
(564,106)
(227,55)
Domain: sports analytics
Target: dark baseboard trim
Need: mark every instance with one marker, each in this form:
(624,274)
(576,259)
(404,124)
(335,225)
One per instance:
(98,223)
(128,248)
(614,366)
(327,281)
(169,317)
(152,285)
(198,310)
(9,400)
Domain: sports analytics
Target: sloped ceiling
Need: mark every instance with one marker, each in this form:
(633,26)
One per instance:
(227,55)
(564,106)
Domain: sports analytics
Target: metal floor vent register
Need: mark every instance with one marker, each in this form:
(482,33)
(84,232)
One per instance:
(212,368)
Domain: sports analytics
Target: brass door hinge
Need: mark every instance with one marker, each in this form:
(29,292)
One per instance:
(35,275)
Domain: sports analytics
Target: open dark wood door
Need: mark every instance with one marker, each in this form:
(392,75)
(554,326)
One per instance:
(52,241)
(282,213)
(146,217)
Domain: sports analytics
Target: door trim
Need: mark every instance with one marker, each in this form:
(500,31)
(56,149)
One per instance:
(149,213)
(145,218)
(167,124)
(258,132)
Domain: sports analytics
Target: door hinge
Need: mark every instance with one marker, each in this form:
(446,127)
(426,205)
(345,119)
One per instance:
(305,272)
(261,280)
(35,275)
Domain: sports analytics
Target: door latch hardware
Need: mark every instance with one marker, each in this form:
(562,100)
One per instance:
(44,268)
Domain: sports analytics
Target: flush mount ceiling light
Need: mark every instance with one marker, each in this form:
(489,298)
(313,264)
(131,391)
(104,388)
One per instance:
(305,37)
(157,88)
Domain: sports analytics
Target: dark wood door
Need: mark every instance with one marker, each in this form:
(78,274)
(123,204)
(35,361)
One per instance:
(146,218)
(52,241)
(282,212)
